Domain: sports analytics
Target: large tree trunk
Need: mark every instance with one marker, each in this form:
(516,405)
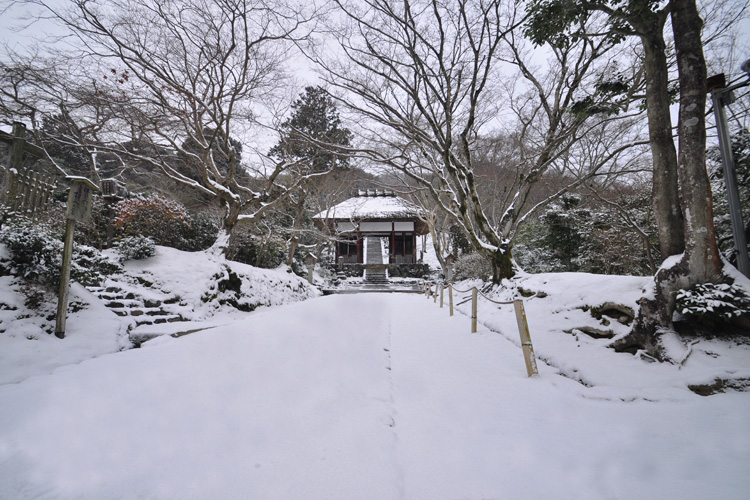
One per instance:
(700,261)
(701,252)
(502,264)
(665,197)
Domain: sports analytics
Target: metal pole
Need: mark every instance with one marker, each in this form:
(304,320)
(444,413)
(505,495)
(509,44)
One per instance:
(730,179)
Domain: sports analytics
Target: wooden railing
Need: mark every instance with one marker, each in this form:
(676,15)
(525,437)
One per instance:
(27,192)
(523,325)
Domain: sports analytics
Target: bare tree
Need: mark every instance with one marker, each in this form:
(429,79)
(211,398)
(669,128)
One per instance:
(426,77)
(183,81)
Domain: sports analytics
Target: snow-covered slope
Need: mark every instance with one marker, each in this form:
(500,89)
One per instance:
(203,289)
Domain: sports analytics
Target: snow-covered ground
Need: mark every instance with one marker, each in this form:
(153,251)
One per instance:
(378,396)
(190,279)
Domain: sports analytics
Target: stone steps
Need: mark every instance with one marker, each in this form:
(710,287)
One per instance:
(142,310)
(375,256)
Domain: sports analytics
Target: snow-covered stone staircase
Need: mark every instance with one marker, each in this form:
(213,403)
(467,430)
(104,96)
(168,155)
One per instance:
(143,304)
(375,256)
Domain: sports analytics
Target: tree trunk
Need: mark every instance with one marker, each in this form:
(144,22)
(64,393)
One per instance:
(701,252)
(297,229)
(665,193)
(221,245)
(502,264)
(700,261)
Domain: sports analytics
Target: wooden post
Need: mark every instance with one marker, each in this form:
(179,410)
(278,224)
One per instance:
(436,293)
(442,290)
(474,300)
(62,296)
(450,298)
(523,329)
(78,210)
(11,193)
(19,141)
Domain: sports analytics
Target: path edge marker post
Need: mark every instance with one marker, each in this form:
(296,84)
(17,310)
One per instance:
(450,298)
(526,346)
(442,291)
(474,300)
(78,210)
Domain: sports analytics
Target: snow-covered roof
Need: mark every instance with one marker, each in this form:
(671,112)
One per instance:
(371,206)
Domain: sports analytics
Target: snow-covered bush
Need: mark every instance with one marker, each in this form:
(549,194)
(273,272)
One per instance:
(35,255)
(90,267)
(136,247)
(712,303)
(165,221)
(260,251)
(472,265)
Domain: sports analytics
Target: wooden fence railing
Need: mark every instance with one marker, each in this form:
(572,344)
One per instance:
(523,325)
(27,191)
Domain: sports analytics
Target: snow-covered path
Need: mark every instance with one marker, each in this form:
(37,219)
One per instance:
(370,396)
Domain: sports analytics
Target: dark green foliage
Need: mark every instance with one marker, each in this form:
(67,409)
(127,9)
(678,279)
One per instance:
(596,239)
(250,249)
(200,234)
(555,22)
(459,243)
(566,226)
(314,124)
(610,97)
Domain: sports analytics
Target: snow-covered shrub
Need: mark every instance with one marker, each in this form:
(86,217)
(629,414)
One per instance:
(472,265)
(265,252)
(90,266)
(712,303)
(35,255)
(136,247)
(165,221)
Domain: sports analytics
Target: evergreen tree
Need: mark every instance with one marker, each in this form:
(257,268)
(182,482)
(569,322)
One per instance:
(314,132)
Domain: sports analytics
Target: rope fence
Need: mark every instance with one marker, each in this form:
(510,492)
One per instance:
(521,320)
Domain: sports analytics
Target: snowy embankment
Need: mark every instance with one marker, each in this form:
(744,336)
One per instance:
(373,396)
(203,292)
(572,323)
